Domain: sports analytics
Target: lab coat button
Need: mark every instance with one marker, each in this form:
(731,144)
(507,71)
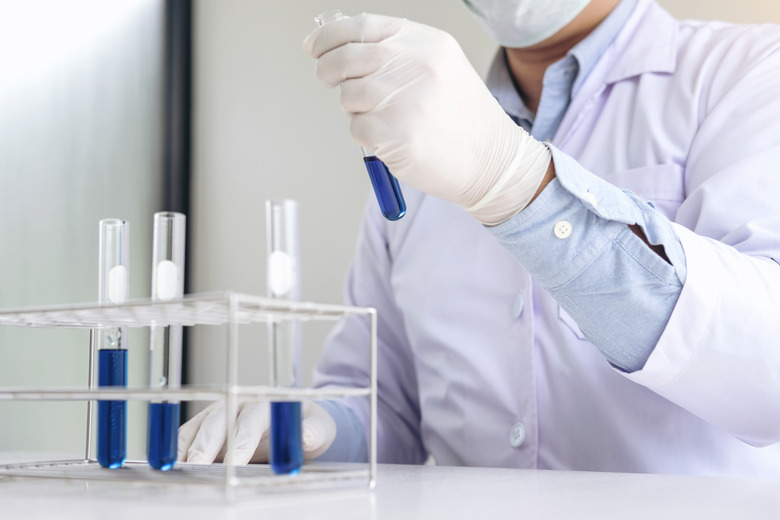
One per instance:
(517,435)
(517,310)
(562,229)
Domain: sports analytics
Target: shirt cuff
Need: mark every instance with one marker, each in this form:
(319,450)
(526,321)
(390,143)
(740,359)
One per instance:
(575,241)
(350,444)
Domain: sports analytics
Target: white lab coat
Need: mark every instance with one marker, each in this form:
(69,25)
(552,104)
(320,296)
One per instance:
(480,366)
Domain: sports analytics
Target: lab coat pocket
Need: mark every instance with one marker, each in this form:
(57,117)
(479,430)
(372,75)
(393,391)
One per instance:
(569,321)
(661,184)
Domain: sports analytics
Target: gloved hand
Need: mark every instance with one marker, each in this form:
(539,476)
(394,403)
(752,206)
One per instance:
(202,438)
(415,101)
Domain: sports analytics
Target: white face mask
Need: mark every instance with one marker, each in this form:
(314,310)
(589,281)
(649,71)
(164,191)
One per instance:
(522,23)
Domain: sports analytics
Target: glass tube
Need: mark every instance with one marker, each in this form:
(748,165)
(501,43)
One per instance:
(386,189)
(284,337)
(113,288)
(165,341)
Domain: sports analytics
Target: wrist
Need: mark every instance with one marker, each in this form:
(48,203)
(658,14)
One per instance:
(525,175)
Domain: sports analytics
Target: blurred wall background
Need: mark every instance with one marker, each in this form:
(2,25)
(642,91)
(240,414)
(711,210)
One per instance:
(748,11)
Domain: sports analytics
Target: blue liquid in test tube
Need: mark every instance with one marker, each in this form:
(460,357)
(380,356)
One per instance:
(165,342)
(163,435)
(112,415)
(386,188)
(113,286)
(286,440)
(286,448)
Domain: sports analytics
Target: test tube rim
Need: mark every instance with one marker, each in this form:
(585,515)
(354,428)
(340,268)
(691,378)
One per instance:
(328,16)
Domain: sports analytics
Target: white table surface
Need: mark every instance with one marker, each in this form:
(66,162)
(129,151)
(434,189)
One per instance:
(413,492)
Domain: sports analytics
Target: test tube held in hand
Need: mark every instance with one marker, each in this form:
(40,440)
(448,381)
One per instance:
(386,189)
(113,286)
(165,340)
(284,337)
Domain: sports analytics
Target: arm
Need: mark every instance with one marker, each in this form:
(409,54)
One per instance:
(715,352)
(719,355)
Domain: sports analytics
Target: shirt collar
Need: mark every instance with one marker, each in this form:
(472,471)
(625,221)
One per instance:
(648,43)
(589,50)
(501,85)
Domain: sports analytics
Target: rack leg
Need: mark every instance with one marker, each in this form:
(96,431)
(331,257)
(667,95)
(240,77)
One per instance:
(372,448)
(90,403)
(231,401)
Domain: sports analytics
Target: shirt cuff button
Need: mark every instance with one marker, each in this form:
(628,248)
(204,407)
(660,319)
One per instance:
(562,229)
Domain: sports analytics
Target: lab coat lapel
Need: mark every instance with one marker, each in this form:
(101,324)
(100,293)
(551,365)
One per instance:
(647,43)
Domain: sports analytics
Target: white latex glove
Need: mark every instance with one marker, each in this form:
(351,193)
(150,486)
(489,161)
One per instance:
(202,438)
(416,102)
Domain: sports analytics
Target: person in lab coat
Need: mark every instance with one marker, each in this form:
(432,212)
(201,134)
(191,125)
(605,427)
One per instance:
(587,277)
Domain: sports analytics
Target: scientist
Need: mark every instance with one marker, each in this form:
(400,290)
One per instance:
(588,275)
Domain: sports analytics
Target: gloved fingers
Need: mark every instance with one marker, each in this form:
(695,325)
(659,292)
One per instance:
(381,136)
(263,451)
(353,60)
(202,439)
(221,454)
(210,437)
(318,430)
(363,133)
(363,95)
(251,425)
(189,430)
(372,131)
(361,29)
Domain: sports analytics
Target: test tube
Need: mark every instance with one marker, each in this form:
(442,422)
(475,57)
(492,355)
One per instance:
(386,189)
(165,341)
(112,341)
(284,337)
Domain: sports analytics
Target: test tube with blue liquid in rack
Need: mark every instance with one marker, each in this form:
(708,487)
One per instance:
(112,342)
(386,189)
(165,340)
(284,337)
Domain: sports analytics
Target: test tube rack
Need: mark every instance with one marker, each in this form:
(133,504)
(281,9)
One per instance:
(223,308)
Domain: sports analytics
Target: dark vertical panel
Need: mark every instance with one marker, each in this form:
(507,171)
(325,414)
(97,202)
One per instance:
(178,94)
(178,131)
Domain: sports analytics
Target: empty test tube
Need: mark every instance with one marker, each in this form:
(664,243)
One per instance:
(165,341)
(386,189)
(284,337)
(112,342)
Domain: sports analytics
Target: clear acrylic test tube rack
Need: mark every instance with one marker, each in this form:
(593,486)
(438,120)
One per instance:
(225,308)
